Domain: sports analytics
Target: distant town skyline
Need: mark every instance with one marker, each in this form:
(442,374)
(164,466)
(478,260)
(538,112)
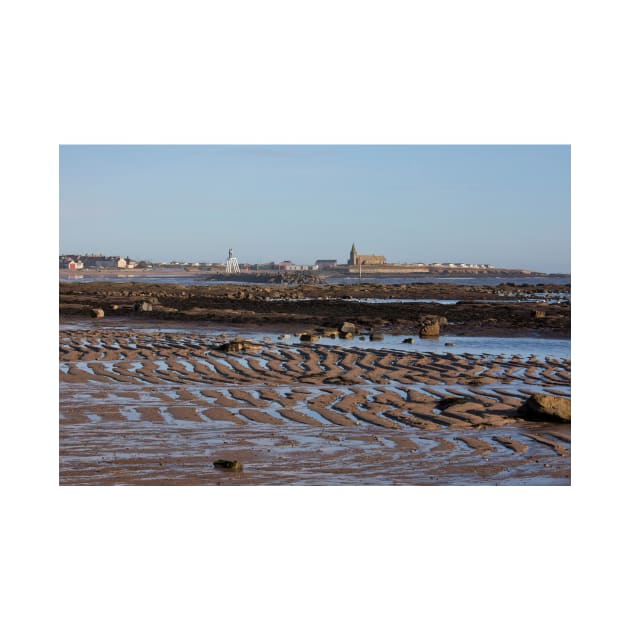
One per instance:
(503,205)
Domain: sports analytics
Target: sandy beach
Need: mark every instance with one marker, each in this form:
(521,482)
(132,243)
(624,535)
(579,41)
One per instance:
(144,407)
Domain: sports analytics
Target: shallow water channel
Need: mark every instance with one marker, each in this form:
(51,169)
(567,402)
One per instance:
(496,346)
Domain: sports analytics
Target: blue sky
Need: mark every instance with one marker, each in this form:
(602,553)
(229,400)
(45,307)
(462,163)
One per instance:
(508,206)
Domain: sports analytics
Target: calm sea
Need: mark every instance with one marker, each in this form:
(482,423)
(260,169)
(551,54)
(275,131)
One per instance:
(469,280)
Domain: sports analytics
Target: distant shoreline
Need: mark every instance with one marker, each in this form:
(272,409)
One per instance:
(323,274)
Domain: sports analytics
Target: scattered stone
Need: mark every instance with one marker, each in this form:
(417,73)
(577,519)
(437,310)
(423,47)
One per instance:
(409,340)
(142,307)
(331,333)
(228,465)
(449,343)
(97,312)
(238,345)
(348,327)
(346,335)
(547,408)
(377,336)
(114,307)
(308,337)
(430,327)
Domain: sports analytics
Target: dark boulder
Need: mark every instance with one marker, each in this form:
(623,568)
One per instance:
(546,408)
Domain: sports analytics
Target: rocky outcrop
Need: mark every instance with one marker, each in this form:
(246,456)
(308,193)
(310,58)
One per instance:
(325,305)
(546,408)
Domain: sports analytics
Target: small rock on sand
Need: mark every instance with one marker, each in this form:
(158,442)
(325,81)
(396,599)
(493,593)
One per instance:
(227,464)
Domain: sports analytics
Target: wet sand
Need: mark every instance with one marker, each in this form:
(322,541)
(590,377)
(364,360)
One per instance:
(142,407)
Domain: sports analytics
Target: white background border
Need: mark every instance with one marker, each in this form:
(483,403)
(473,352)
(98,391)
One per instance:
(298,72)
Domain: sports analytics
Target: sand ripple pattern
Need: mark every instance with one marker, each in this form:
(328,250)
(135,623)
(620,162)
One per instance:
(157,408)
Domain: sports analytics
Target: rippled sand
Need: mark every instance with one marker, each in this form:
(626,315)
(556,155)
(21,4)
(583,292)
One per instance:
(140,407)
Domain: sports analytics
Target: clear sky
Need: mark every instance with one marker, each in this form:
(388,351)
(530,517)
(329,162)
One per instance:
(508,206)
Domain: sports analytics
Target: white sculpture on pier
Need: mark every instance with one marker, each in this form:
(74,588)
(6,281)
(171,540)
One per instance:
(231,264)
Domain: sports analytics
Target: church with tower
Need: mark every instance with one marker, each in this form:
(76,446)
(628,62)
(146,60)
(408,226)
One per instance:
(365,259)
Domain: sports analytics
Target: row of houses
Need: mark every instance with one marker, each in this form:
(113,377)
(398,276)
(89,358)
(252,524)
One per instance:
(76,262)
(461,265)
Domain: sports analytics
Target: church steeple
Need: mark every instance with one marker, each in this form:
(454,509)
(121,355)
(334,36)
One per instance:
(353,256)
